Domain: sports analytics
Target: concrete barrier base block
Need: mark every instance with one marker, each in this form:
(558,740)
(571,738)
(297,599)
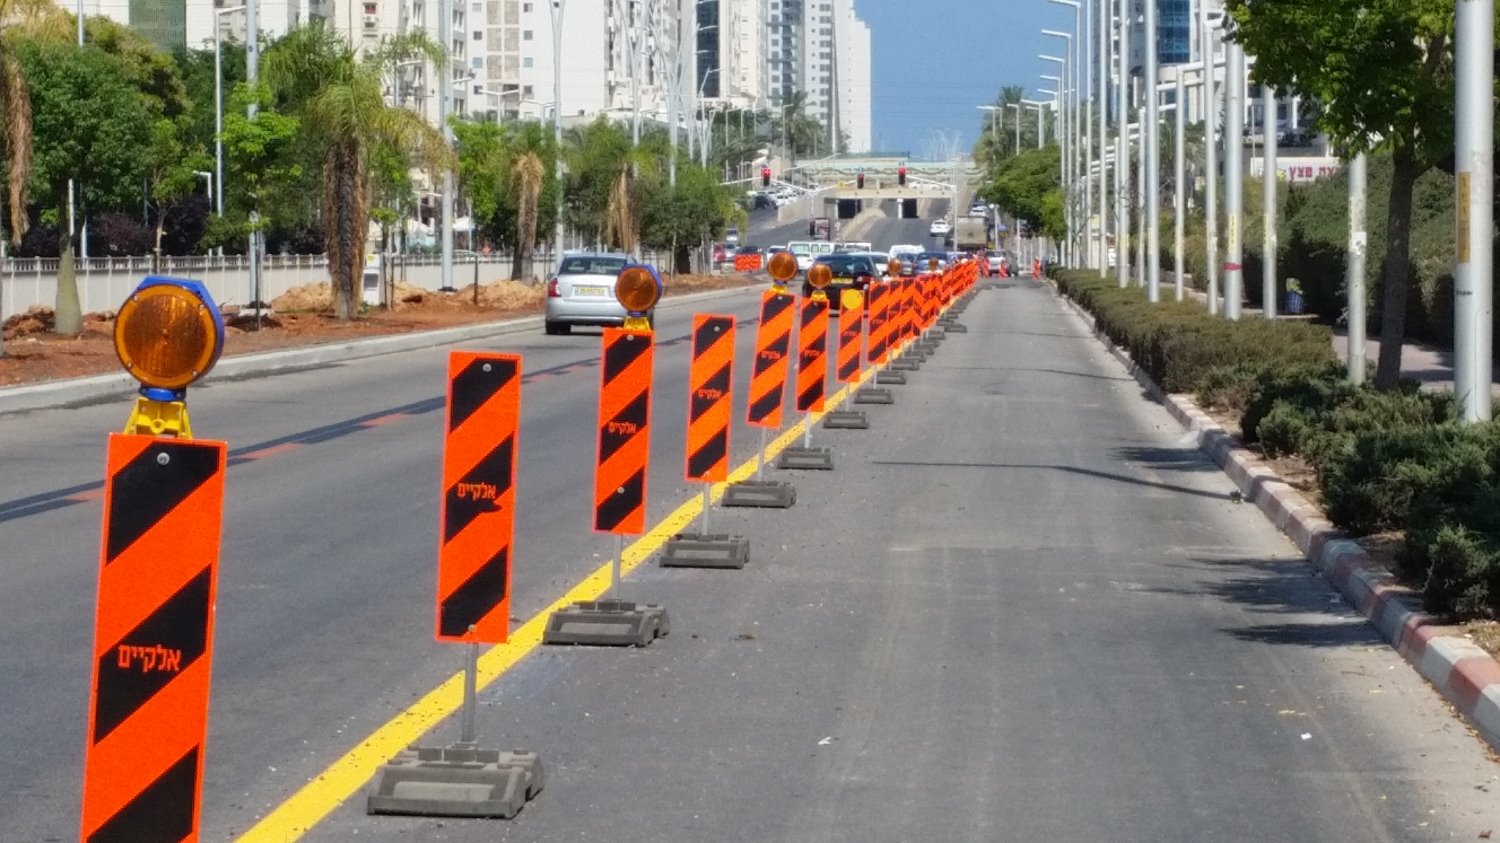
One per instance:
(876,395)
(928,346)
(935,333)
(956,328)
(806,459)
(907,363)
(705,550)
(607,623)
(765,494)
(846,420)
(459,780)
(887,377)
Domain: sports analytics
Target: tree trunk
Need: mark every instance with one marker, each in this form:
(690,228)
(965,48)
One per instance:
(517,258)
(67,314)
(1396,272)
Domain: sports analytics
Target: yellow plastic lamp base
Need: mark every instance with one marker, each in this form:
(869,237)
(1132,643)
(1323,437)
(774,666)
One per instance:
(819,295)
(637,323)
(159,418)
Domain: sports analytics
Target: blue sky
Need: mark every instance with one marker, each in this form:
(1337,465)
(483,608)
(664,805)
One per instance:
(936,60)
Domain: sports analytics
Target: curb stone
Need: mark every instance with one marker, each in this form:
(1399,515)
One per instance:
(70,391)
(1467,676)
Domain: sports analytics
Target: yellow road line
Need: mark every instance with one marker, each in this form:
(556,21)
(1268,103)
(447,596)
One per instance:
(341,779)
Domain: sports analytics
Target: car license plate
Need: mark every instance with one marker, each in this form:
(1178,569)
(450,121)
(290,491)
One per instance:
(591,291)
(842,281)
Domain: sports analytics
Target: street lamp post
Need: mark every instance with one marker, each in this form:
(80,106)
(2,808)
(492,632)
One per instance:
(1151,158)
(219,110)
(1041,132)
(556,9)
(1084,118)
(1064,139)
(1070,161)
(1017,107)
(1122,154)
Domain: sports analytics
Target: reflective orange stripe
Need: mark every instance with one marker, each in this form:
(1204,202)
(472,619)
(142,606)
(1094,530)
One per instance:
(880,306)
(624,432)
(710,384)
(479,497)
(153,639)
(851,343)
(773,359)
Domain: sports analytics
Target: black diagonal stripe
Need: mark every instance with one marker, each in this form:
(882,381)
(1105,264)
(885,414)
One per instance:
(762,407)
(850,366)
(625,350)
(708,456)
(490,475)
(146,489)
(778,349)
(473,386)
(178,627)
(477,597)
(774,307)
(161,813)
(616,432)
(630,497)
(809,396)
(718,382)
(707,334)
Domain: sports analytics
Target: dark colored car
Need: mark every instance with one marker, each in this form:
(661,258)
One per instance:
(849,271)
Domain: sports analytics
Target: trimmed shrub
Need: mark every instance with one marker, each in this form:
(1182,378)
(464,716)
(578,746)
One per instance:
(1463,572)
(1372,485)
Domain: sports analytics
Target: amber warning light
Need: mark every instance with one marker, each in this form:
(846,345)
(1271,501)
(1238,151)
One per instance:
(783,267)
(168,334)
(638,288)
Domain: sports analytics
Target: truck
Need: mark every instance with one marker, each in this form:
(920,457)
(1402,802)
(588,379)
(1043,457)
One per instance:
(820,228)
(971,233)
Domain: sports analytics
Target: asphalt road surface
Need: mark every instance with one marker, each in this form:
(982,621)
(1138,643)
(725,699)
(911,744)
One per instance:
(1023,607)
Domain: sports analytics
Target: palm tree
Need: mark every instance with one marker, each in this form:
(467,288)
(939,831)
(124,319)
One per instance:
(316,73)
(529,173)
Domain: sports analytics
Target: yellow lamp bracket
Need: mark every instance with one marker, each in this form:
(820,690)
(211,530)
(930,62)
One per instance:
(819,295)
(159,418)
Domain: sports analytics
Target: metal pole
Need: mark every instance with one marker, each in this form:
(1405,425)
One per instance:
(1473,275)
(1268,204)
(1210,160)
(707,504)
(1234,176)
(218,120)
(760,457)
(1019,108)
(1354,272)
(466,732)
(1179,192)
(1086,69)
(1102,93)
(557,19)
(1151,147)
(1122,154)
(445,96)
(616,567)
(252,75)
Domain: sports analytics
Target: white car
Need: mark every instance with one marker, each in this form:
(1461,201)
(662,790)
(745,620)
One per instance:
(940,226)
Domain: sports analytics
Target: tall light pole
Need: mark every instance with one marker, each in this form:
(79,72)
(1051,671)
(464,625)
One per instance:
(1474,271)
(1102,93)
(1268,204)
(1041,132)
(1017,107)
(1065,141)
(994,127)
(252,75)
(1354,271)
(556,10)
(1070,178)
(1151,157)
(1210,100)
(1083,118)
(1122,151)
(1234,162)
(219,109)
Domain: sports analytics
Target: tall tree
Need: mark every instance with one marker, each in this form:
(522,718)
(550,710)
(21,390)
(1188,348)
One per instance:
(318,75)
(1383,70)
(529,175)
(90,124)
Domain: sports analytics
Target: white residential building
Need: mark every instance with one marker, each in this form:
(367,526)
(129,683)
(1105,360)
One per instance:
(853,64)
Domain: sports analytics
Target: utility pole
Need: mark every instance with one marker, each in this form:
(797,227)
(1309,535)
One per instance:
(445,95)
(252,75)
(1354,271)
(1268,205)
(557,19)
(1122,153)
(1473,276)
(1210,102)
(1151,149)
(1234,176)
(1102,62)
(1179,193)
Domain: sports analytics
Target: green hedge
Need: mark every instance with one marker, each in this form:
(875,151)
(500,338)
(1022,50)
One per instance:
(1393,460)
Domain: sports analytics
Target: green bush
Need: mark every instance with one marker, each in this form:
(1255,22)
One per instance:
(1463,572)
(1284,429)
(1372,484)
(1310,391)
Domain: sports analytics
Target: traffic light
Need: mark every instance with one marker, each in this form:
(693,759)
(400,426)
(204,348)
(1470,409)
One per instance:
(859,180)
(901,176)
(765,176)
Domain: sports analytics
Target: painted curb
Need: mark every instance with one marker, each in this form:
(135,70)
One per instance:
(1466,675)
(71,391)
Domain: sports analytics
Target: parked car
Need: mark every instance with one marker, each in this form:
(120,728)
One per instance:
(849,272)
(806,251)
(583,292)
(732,236)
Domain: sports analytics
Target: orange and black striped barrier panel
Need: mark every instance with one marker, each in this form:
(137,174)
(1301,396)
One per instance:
(479,498)
(847,364)
(153,639)
(773,353)
(880,303)
(812,355)
(709,399)
(747,263)
(624,432)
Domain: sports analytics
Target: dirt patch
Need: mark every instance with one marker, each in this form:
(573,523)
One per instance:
(302,316)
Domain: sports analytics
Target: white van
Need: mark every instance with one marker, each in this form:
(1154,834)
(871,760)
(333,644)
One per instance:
(807,251)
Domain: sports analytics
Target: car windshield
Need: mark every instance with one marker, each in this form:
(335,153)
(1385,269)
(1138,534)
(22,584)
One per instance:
(584,265)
